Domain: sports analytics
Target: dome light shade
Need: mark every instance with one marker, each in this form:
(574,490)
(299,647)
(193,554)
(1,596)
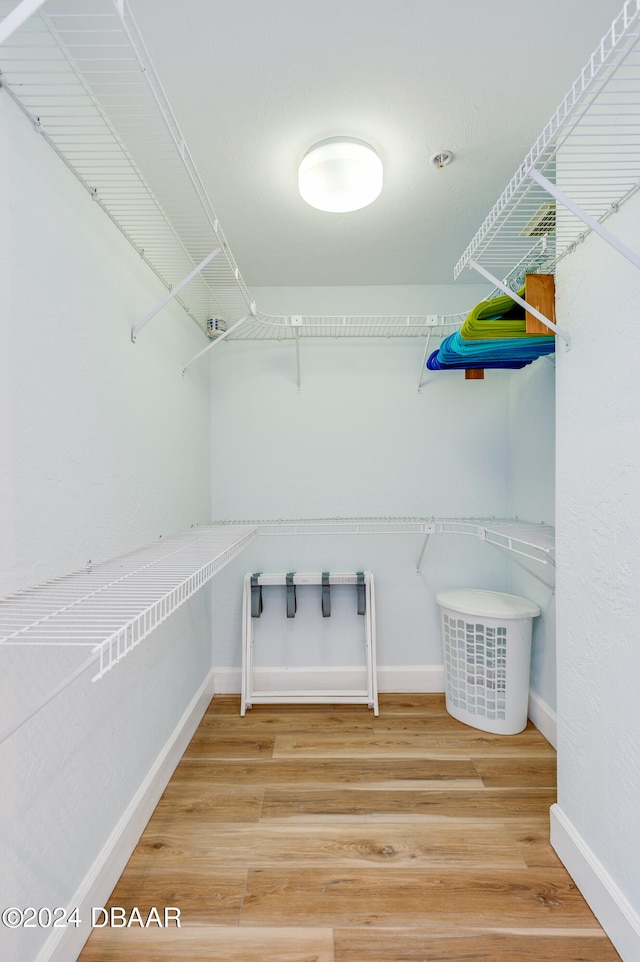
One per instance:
(340,175)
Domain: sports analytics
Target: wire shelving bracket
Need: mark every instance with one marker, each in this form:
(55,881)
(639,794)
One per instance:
(586,218)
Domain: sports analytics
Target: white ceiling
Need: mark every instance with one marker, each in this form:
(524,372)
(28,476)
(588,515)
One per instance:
(255,83)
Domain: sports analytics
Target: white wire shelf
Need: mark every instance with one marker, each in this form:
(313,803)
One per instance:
(81,72)
(591,145)
(272,327)
(112,607)
(535,542)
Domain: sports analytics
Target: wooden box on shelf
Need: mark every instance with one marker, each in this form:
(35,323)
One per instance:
(540,292)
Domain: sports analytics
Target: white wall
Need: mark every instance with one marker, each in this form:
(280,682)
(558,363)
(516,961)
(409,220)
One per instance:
(104,447)
(358,440)
(375,301)
(596,826)
(532,442)
(104,444)
(532,498)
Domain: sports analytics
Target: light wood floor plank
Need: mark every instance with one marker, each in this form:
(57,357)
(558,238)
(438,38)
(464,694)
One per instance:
(512,772)
(325,772)
(211,744)
(208,943)
(344,843)
(215,802)
(411,945)
(532,838)
(278,720)
(491,803)
(531,898)
(466,743)
(205,894)
(281,721)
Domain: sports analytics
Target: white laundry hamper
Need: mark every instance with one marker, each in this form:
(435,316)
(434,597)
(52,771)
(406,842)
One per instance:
(487,653)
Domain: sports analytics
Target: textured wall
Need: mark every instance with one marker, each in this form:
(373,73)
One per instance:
(598,523)
(103,447)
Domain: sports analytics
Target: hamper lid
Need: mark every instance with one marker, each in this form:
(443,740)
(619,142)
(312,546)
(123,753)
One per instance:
(491,604)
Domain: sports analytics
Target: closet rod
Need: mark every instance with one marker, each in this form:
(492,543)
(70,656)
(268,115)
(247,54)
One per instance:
(519,300)
(586,218)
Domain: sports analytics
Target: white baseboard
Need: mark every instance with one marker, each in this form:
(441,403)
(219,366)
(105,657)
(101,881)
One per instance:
(544,718)
(96,887)
(410,678)
(615,913)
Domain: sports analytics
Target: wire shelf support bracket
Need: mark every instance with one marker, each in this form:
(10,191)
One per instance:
(173,293)
(221,337)
(17,17)
(429,529)
(296,321)
(433,321)
(586,218)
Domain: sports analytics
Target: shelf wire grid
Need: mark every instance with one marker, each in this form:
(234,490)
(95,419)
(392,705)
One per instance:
(590,148)
(536,542)
(81,72)
(112,607)
(287,327)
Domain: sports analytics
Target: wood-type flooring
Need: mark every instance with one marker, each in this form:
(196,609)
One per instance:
(324,834)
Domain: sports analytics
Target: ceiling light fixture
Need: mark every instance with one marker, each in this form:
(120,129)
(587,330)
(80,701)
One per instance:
(340,175)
